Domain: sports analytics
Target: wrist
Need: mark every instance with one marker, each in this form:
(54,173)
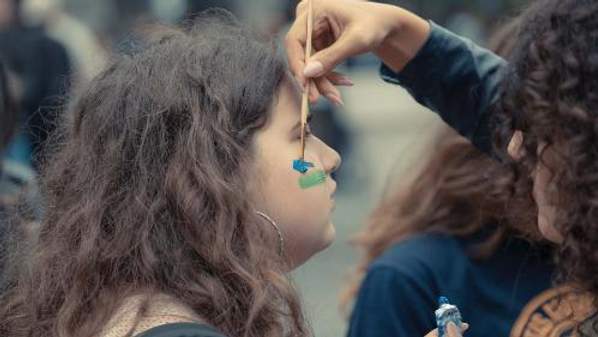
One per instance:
(407,34)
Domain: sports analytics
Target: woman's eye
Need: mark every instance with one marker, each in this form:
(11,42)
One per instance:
(308,131)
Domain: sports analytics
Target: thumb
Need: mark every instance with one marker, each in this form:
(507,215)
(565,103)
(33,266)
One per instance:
(325,60)
(452,330)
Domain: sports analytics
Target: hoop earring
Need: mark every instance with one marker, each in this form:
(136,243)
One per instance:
(280,237)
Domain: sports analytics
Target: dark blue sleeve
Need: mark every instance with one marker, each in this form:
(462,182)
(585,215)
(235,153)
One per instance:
(457,79)
(391,303)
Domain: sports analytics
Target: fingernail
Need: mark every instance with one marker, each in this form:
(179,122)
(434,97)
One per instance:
(337,100)
(313,69)
(345,81)
(452,330)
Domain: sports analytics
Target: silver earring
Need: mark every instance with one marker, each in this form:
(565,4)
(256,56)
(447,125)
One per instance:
(280,238)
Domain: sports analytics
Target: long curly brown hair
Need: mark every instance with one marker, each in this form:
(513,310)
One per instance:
(146,191)
(551,93)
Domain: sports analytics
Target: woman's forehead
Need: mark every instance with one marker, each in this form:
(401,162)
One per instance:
(289,100)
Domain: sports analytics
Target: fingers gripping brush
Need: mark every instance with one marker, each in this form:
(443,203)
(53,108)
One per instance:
(315,177)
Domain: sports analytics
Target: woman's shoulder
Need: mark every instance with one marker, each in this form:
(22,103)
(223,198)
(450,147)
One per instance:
(404,281)
(143,313)
(423,259)
(182,330)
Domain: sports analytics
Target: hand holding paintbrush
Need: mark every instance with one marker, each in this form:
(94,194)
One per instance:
(347,28)
(317,176)
(306,88)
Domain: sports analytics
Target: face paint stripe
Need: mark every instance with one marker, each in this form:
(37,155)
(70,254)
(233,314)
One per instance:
(302,166)
(315,178)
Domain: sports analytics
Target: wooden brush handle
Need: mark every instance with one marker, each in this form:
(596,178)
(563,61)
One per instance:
(305,97)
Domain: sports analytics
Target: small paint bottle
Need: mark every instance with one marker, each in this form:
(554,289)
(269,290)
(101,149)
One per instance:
(446,313)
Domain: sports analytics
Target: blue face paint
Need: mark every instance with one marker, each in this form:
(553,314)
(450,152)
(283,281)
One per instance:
(314,178)
(302,166)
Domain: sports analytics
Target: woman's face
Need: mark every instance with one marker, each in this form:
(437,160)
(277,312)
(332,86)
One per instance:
(303,215)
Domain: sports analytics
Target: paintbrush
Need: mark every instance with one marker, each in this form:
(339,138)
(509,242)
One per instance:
(306,89)
(300,164)
(316,177)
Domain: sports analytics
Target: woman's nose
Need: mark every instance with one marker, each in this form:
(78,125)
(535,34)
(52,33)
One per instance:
(332,160)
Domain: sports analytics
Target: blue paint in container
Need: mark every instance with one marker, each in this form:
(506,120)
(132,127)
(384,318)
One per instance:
(446,313)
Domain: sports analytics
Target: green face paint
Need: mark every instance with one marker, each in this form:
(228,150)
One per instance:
(314,178)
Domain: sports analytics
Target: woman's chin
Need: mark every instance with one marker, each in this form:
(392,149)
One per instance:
(330,236)
(325,240)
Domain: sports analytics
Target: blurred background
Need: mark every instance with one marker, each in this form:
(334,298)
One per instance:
(51,46)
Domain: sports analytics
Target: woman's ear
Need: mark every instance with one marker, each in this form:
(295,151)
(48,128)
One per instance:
(515,148)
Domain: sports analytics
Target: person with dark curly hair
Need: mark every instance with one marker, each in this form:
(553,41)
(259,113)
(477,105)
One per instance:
(548,92)
(171,205)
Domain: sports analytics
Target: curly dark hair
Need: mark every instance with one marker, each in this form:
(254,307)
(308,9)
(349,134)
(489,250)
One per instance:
(551,93)
(146,191)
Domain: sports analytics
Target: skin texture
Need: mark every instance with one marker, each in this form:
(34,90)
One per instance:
(303,215)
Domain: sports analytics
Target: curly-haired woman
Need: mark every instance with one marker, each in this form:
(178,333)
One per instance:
(171,208)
